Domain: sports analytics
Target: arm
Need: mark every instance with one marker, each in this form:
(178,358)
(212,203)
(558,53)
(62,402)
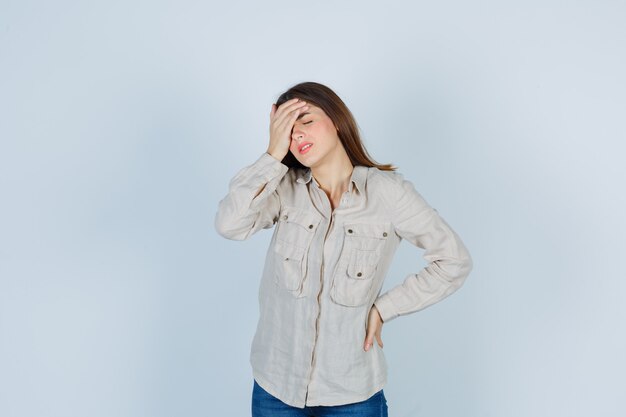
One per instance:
(252,202)
(449,261)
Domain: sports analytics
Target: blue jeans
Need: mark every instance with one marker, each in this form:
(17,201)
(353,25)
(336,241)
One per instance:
(265,404)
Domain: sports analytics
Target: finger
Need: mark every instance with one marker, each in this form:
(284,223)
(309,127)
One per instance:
(286,120)
(287,123)
(368,341)
(289,103)
(286,105)
(380,340)
(273,110)
(283,111)
(279,110)
(281,119)
(296,115)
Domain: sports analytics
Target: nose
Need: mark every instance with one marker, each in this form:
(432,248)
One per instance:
(297,135)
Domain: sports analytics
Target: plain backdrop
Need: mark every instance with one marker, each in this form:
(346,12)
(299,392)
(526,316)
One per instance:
(121,123)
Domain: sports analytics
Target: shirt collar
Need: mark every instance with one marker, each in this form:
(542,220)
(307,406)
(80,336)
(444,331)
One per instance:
(359,174)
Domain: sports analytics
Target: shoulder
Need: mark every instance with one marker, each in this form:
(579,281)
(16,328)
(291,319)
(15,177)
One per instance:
(387,183)
(397,192)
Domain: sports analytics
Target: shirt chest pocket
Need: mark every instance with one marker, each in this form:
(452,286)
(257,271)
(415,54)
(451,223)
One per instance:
(295,231)
(354,277)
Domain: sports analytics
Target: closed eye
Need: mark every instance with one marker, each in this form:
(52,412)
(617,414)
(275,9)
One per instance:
(306,123)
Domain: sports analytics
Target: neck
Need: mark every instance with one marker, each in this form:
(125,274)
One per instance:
(333,176)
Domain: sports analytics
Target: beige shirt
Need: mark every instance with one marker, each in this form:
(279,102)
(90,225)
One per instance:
(324,270)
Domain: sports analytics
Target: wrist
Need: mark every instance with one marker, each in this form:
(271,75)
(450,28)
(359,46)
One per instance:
(379,316)
(275,155)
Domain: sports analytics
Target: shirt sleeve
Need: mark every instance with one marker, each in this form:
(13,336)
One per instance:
(449,262)
(240,214)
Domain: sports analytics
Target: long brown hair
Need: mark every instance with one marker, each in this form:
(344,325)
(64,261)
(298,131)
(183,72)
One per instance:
(348,131)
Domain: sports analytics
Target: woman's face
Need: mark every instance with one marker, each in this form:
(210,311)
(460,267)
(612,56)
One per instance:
(314,127)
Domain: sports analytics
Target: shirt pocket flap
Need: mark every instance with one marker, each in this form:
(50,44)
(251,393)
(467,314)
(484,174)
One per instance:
(371,230)
(309,220)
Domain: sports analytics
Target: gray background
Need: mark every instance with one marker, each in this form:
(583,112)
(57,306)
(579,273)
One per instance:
(121,123)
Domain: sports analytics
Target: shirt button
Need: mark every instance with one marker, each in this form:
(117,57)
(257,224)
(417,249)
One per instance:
(385,234)
(310,226)
(285,217)
(358,274)
(349,230)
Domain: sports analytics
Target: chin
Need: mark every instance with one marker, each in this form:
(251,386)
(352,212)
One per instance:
(304,164)
(309,160)
(301,161)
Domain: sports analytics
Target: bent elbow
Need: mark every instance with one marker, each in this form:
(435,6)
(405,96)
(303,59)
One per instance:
(455,271)
(463,268)
(226,229)
(229,234)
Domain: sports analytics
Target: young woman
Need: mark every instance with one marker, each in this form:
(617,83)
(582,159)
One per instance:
(338,219)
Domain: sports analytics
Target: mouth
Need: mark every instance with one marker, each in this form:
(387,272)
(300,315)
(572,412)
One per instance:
(303,148)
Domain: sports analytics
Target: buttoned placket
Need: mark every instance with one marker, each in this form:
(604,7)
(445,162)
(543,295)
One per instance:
(320,194)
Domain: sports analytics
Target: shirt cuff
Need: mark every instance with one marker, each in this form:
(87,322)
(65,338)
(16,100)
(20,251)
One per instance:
(270,165)
(386,308)
(269,171)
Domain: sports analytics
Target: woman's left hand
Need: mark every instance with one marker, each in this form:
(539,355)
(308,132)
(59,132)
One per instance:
(374,328)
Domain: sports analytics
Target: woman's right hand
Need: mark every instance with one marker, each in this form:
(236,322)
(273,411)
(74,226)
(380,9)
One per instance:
(282,120)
